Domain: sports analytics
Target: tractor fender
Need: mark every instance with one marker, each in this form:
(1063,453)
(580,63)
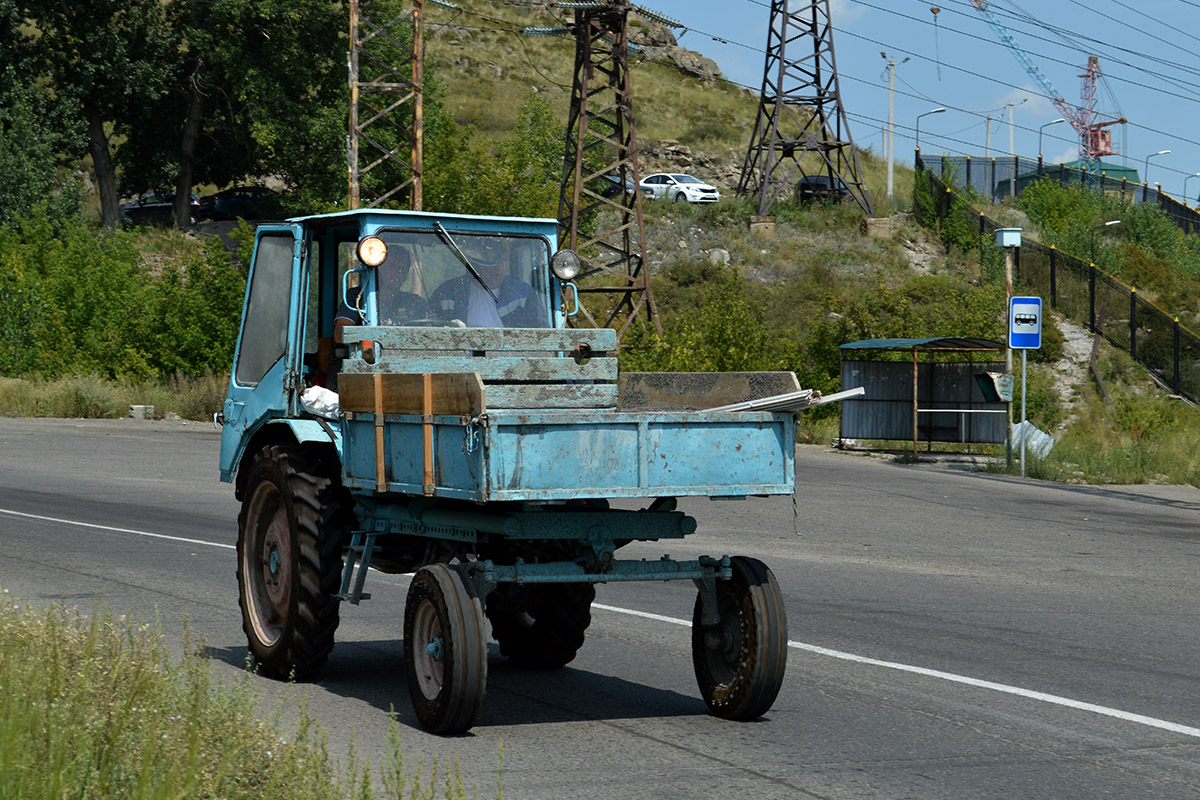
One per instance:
(277,430)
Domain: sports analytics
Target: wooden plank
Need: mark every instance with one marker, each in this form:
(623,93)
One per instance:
(402,393)
(600,340)
(377,395)
(700,390)
(552,395)
(427,409)
(492,368)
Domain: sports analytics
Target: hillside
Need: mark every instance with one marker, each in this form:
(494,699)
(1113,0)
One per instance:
(820,281)
(687,116)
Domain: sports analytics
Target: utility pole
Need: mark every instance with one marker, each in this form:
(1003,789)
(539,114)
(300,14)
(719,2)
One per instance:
(1012,178)
(891,126)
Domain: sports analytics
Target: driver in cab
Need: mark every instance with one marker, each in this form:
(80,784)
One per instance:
(397,306)
(511,303)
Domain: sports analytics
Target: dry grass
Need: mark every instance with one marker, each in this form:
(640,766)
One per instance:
(89,396)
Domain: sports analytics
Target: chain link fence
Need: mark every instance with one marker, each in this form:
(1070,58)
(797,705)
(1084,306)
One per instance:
(1078,290)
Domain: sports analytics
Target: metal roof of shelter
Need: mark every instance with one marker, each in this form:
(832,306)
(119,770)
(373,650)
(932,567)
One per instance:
(940,343)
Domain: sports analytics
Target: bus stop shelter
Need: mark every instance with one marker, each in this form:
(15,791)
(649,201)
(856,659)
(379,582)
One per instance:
(939,389)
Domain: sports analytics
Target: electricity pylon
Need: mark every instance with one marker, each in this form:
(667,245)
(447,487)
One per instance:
(599,209)
(800,111)
(385,144)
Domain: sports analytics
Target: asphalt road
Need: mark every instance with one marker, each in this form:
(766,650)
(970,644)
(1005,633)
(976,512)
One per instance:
(954,634)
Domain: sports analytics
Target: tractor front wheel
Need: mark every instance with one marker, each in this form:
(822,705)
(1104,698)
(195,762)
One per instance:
(445,649)
(740,661)
(542,625)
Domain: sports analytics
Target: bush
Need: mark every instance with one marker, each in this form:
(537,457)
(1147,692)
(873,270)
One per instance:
(137,306)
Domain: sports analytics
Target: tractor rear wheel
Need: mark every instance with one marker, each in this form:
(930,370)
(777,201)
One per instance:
(289,555)
(740,661)
(540,626)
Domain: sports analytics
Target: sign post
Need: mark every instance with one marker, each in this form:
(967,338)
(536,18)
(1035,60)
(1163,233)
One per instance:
(1024,334)
(1010,240)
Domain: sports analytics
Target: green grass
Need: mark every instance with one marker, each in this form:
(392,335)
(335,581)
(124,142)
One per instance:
(91,396)
(95,707)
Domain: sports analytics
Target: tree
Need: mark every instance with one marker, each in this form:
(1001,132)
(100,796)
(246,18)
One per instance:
(179,92)
(101,59)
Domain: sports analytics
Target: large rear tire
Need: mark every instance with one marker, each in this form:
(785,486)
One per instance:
(542,625)
(445,649)
(290,534)
(740,661)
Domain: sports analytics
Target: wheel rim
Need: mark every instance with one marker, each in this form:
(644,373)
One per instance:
(725,644)
(268,567)
(428,650)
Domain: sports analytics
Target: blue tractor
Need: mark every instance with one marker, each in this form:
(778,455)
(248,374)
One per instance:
(406,395)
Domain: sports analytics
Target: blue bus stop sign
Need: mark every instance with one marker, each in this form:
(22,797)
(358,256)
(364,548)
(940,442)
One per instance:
(1025,323)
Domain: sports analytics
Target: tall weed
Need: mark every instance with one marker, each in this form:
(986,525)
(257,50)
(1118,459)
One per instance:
(96,707)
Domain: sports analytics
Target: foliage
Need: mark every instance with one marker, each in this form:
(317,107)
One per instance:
(98,708)
(80,300)
(1069,218)
(28,154)
(516,175)
(945,211)
(93,397)
(728,333)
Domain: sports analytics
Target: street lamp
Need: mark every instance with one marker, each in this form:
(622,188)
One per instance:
(1185,180)
(1146,164)
(1048,124)
(926,114)
(1092,258)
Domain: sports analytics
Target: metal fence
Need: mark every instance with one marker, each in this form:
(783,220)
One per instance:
(995,179)
(1081,291)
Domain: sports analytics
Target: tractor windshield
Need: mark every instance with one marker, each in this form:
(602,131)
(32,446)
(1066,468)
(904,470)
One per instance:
(478,280)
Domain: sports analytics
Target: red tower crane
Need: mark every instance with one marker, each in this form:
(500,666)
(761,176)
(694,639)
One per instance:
(1095,140)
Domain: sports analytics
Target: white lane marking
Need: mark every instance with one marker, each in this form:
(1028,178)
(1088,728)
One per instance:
(1030,694)
(115,530)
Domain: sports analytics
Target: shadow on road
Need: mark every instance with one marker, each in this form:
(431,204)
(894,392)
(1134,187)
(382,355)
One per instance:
(373,672)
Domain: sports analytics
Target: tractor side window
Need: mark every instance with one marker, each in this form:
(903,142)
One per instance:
(312,318)
(264,333)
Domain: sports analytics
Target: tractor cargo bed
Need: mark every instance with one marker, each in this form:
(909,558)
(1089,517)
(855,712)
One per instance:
(563,455)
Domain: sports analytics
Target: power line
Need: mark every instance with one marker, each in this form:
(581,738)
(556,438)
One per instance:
(913,54)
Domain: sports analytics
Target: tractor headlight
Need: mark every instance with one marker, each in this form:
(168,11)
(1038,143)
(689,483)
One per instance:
(566,264)
(372,251)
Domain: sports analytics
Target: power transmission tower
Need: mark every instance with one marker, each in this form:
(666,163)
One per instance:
(800,111)
(598,214)
(385,145)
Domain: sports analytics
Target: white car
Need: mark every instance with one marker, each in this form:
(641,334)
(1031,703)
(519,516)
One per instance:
(679,188)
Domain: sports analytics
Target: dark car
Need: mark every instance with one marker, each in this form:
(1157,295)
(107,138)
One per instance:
(610,186)
(157,208)
(241,202)
(820,187)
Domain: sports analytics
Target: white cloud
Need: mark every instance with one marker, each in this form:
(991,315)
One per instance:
(1028,105)
(1066,156)
(845,12)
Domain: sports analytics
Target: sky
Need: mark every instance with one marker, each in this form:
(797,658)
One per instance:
(1148,51)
